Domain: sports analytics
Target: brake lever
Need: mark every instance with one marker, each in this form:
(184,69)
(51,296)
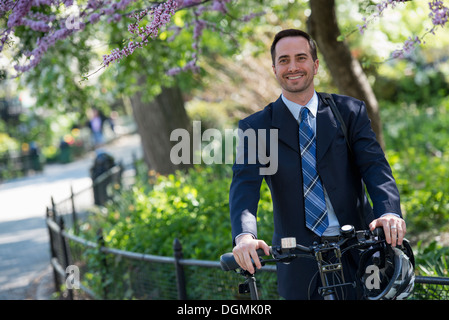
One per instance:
(367,238)
(281,255)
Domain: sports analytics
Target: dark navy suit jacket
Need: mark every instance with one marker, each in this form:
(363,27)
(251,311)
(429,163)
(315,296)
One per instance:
(341,174)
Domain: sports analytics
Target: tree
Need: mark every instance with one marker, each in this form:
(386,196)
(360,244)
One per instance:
(155,79)
(346,71)
(156,99)
(39,25)
(155,122)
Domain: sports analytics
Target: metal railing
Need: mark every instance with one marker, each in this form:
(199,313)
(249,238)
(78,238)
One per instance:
(130,275)
(109,273)
(14,166)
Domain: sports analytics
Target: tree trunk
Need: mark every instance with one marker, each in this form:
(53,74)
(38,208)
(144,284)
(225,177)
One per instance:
(155,121)
(346,71)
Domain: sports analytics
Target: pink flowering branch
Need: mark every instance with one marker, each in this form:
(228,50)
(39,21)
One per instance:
(439,15)
(198,27)
(161,16)
(381,7)
(59,25)
(54,29)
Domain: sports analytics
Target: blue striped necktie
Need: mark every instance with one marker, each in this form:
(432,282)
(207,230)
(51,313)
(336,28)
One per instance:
(314,203)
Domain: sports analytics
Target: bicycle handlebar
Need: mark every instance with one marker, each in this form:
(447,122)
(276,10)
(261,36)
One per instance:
(280,254)
(227,260)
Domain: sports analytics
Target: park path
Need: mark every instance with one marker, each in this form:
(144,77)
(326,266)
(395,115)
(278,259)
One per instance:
(25,271)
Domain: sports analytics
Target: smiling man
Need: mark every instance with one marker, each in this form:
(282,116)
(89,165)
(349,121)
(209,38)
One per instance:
(317,187)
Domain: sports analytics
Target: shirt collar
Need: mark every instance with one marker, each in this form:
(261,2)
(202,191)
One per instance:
(295,108)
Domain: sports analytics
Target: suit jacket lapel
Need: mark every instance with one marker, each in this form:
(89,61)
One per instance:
(327,128)
(286,123)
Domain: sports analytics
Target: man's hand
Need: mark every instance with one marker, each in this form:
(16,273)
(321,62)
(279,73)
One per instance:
(245,249)
(394,228)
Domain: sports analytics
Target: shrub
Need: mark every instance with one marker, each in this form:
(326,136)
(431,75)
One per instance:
(192,206)
(418,153)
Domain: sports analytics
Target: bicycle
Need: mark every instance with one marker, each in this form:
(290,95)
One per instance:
(286,252)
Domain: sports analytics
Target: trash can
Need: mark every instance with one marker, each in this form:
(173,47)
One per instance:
(65,152)
(35,158)
(103,162)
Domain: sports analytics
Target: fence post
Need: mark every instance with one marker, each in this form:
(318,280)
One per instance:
(53,253)
(74,216)
(104,264)
(53,209)
(120,174)
(65,253)
(180,278)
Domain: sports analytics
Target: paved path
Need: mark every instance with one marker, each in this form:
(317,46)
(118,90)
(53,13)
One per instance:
(25,271)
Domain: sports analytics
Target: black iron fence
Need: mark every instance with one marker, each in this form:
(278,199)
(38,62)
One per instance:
(14,166)
(89,270)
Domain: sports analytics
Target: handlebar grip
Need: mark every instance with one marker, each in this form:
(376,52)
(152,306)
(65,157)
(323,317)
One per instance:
(379,232)
(227,260)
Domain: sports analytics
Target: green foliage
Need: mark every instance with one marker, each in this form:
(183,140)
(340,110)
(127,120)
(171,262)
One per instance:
(412,81)
(7,143)
(54,82)
(192,206)
(432,260)
(417,142)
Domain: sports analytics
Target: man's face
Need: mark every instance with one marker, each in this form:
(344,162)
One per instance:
(294,67)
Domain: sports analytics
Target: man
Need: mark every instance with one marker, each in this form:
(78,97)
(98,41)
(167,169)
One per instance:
(339,173)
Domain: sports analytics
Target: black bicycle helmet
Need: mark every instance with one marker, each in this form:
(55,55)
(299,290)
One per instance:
(386,272)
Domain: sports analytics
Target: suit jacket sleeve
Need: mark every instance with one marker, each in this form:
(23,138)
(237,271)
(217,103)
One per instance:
(244,191)
(374,168)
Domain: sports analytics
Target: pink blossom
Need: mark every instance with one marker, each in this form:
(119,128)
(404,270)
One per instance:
(187,3)
(251,16)
(94,18)
(93,4)
(198,29)
(191,65)
(408,47)
(36,25)
(115,18)
(220,5)
(6,5)
(438,13)
(161,16)
(19,11)
(42,46)
(53,28)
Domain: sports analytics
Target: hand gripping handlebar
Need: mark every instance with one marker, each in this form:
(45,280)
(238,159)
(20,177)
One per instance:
(227,260)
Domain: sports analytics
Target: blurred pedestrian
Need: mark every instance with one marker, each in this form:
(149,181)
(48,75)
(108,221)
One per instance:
(96,125)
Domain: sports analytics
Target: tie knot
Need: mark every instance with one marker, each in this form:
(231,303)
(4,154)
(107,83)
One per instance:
(304,114)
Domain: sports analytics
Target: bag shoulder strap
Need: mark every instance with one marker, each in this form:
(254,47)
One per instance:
(329,100)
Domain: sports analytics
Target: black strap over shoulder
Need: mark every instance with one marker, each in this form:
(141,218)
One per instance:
(329,100)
